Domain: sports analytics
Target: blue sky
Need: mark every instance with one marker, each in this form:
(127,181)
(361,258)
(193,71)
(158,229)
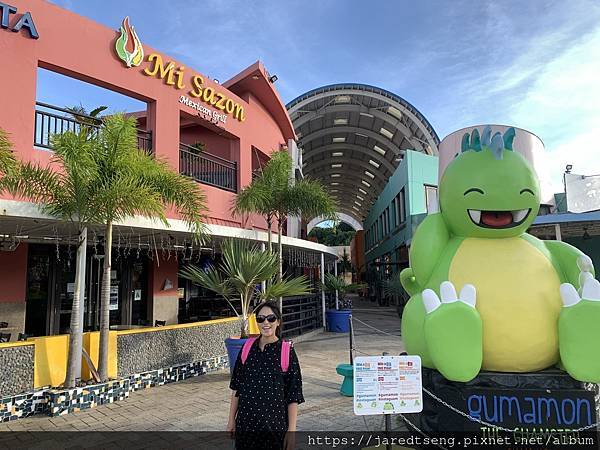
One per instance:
(534,64)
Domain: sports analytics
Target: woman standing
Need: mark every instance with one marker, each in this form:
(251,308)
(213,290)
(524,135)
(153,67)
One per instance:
(265,398)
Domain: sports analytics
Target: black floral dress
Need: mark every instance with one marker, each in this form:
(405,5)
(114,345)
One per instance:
(264,392)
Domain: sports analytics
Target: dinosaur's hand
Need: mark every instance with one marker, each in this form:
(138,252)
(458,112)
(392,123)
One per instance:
(453,331)
(586,270)
(578,330)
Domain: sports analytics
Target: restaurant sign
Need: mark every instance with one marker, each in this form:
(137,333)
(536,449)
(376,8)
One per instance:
(25,21)
(130,50)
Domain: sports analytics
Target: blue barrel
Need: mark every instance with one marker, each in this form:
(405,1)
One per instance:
(234,347)
(337,320)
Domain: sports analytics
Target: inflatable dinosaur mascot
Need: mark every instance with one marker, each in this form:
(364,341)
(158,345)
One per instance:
(524,304)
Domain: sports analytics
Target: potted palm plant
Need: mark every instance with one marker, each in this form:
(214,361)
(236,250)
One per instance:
(337,318)
(243,267)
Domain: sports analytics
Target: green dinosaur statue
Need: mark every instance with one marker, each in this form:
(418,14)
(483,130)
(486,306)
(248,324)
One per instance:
(508,316)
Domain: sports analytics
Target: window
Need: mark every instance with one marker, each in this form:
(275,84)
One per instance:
(431,199)
(400,215)
(387,220)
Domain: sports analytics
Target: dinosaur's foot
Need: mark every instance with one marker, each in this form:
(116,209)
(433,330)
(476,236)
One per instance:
(453,332)
(579,330)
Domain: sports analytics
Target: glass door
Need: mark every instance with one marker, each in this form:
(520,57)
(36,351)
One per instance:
(93,287)
(62,302)
(39,281)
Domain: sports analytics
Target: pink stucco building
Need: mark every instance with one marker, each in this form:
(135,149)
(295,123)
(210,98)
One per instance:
(238,123)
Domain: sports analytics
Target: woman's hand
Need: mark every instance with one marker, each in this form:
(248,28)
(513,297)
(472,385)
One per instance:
(289,442)
(231,428)
(233,407)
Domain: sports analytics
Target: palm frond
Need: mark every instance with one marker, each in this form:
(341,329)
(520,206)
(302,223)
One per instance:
(286,288)
(246,266)
(131,182)
(307,198)
(393,287)
(333,283)
(8,162)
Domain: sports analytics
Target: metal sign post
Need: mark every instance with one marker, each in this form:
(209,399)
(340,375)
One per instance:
(351,333)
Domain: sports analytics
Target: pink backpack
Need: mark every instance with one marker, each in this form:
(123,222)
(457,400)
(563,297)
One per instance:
(286,346)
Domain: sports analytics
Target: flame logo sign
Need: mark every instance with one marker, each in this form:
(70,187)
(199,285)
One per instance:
(134,57)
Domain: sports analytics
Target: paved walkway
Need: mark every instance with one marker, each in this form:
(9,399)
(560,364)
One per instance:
(202,403)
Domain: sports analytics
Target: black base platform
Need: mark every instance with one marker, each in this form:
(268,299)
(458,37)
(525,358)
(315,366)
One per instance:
(522,402)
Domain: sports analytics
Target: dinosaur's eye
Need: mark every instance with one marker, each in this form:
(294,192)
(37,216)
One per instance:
(527,190)
(473,190)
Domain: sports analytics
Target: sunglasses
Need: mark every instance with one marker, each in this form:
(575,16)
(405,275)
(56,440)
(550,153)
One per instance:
(271,318)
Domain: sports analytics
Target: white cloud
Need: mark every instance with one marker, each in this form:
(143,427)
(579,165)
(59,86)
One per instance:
(562,106)
(547,82)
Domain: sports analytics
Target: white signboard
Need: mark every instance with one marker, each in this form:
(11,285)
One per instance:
(387,385)
(583,192)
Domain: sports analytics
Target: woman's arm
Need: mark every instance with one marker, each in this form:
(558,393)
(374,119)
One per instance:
(233,407)
(292,416)
(289,442)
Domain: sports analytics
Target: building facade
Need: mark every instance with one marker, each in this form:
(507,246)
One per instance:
(409,195)
(216,133)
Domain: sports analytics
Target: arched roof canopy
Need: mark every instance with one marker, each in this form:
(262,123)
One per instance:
(340,216)
(353,136)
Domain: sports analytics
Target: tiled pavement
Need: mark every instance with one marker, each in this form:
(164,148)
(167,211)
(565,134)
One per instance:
(202,403)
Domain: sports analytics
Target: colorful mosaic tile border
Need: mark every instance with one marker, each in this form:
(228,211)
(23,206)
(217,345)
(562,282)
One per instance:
(61,402)
(23,405)
(57,402)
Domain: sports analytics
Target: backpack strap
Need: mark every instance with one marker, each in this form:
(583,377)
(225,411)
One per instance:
(246,348)
(286,347)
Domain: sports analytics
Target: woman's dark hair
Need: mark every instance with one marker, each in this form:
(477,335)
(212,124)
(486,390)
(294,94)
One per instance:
(275,307)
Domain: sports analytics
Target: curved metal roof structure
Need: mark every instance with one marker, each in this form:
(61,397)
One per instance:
(353,136)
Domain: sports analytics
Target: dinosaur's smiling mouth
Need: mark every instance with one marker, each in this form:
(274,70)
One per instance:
(498,219)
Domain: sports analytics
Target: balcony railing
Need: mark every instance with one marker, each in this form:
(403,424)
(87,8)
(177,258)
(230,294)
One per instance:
(207,168)
(50,120)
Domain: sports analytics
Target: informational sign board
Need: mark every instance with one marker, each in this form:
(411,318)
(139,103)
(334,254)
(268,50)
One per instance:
(114,297)
(583,192)
(387,385)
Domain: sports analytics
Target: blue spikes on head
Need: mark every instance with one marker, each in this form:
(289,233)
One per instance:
(508,137)
(496,143)
(486,136)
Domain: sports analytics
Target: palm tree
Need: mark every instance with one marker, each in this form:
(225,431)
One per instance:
(276,195)
(345,263)
(258,197)
(65,194)
(82,117)
(8,163)
(242,268)
(333,284)
(130,182)
(307,198)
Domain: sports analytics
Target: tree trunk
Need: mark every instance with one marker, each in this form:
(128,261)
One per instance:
(76,331)
(280,257)
(270,234)
(245,327)
(104,306)
(244,321)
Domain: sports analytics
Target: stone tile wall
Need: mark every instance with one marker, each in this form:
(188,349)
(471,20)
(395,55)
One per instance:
(16,369)
(57,402)
(145,360)
(143,352)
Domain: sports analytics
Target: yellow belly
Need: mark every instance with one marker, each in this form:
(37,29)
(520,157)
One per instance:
(518,299)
